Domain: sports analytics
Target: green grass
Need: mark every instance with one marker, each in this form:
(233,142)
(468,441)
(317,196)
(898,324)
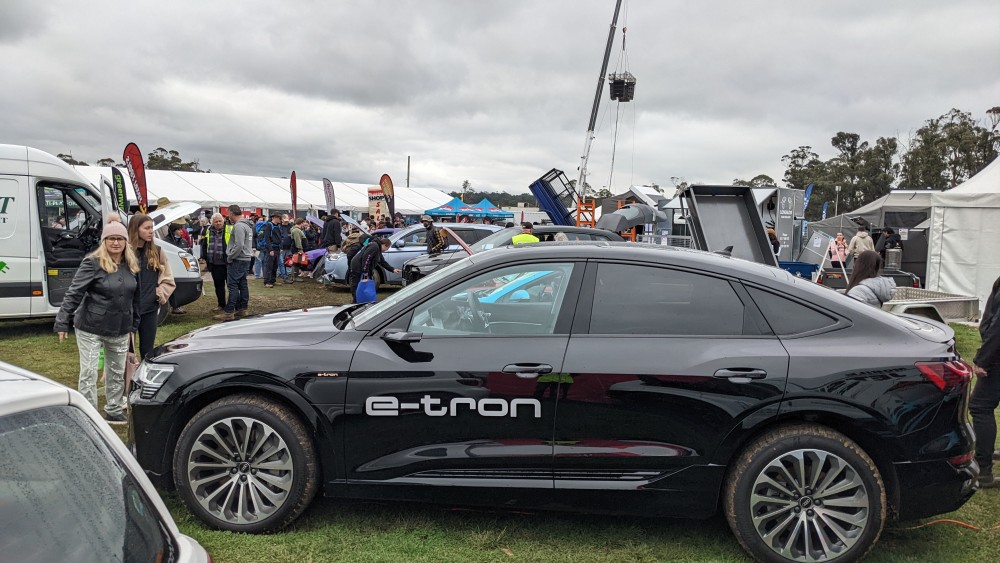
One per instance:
(335,530)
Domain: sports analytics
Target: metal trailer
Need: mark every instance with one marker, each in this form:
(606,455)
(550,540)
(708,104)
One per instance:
(937,305)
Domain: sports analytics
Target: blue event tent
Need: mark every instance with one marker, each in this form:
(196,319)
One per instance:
(486,208)
(457,208)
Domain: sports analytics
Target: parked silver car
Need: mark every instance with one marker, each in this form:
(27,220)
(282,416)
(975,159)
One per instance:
(406,244)
(69,488)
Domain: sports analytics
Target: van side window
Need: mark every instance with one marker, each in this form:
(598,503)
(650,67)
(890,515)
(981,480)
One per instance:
(59,210)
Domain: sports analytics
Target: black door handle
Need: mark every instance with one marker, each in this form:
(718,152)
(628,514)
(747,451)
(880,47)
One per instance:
(527,371)
(740,373)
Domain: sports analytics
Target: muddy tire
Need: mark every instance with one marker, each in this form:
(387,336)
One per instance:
(246,464)
(805,493)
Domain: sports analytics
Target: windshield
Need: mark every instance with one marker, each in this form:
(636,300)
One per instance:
(375,310)
(65,492)
(93,201)
(406,232)
(499,238)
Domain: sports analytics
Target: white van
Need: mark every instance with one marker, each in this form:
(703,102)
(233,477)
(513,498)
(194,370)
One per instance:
(50,218)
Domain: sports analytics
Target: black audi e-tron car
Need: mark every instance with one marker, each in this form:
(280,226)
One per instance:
(595,377)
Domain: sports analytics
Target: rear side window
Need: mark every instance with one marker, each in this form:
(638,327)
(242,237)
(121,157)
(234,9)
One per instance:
(632,299)
(786,316)
(470,235)
(63,491)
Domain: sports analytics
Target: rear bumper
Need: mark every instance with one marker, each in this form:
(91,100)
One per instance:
(188,291)
(934,487)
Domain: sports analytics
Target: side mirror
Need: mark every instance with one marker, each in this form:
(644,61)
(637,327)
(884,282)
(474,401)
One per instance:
(401,337)
(399,243)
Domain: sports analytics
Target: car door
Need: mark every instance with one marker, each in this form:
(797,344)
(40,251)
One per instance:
(441,396)
(662,364)
(408,244)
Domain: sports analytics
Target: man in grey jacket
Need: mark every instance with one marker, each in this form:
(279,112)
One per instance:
(238,253)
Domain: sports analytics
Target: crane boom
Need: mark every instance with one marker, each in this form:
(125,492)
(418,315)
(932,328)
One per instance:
(582,182)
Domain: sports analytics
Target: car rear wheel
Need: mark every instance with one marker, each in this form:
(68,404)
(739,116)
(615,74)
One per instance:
(245,464)
(805,493)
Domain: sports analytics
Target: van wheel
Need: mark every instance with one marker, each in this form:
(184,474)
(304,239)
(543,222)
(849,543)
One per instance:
(805,493)
(162,313)
(245,464)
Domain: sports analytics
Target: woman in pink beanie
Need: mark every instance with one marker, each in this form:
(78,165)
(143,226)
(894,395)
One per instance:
(102,305)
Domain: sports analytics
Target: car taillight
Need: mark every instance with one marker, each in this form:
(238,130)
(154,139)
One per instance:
(960,460)
(946,375)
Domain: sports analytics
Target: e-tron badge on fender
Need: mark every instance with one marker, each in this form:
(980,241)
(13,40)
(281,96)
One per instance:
(390,406)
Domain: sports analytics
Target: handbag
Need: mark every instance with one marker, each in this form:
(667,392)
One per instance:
(131,364)
(300,259)
(366,290)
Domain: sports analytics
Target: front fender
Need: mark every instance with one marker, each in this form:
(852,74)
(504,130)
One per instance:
(196,395)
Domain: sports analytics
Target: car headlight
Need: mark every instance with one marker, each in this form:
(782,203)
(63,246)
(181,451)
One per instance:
(151,377)
(190,264)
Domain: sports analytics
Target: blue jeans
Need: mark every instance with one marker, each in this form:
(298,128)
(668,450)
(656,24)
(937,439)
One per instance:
(985,399)
(282,269)
(236,281)
(258,264)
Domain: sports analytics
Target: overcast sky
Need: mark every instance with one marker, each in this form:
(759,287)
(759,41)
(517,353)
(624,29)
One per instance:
(493,91)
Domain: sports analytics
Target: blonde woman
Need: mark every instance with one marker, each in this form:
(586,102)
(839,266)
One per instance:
(102,304)
(156,283)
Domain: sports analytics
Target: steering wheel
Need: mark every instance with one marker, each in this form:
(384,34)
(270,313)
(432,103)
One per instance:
(478,316)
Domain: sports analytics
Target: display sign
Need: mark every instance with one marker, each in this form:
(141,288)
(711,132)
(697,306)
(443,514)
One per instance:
(118,180)
(137,173)
(331,200)
(376,204)
(390,195)
(295,198)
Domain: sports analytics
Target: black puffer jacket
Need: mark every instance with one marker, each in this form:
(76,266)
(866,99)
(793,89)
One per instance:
(100,303)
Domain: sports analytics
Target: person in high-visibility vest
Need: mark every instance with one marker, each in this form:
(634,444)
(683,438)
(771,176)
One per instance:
(213,248)
(527,234)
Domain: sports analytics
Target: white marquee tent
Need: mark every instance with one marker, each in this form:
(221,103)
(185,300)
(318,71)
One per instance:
(217,190)
(964,240)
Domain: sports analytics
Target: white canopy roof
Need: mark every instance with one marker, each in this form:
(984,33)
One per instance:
(216,190)
(964,242)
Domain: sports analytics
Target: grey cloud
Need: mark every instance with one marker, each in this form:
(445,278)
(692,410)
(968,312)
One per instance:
(496,91)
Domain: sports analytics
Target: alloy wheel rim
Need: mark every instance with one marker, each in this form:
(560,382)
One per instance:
(809,505)
(240,470)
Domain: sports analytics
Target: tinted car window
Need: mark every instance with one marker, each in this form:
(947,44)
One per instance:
(65,496)
(469,235)
(631,299)
(786,316)
(522,299)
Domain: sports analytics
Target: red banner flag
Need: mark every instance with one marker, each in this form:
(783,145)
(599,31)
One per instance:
(137,173)
(390,200)
(295,199)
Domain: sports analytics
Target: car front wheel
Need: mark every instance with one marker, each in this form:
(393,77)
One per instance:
(245,464)
(805,493)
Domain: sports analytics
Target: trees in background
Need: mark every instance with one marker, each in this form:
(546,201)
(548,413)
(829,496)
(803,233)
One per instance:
(949,149)
(941,154)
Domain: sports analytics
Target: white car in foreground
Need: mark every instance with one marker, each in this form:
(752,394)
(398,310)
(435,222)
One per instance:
(70,489)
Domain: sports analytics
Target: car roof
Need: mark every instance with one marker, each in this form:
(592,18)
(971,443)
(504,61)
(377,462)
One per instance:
(468,226)
(674,255)
(21,390)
